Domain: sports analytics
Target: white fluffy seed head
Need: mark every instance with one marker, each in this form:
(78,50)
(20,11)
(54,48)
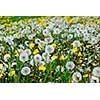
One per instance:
(25,71)
(49,49)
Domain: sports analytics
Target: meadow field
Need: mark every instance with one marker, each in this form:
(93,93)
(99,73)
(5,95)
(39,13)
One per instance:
(49,49)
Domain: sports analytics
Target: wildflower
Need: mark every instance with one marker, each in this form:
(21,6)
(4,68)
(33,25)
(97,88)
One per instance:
(93,40)
(61,57)
(16,53)
(70,36)
(49,39)
(80,61)
(23,57)
(37,40)
(49,49)
(76,44)
(37,58)
(30,37)
(75,50)
(31,45)
(98,37)
(86,37)
(1,65)
(1,49)
(70,65)
(64,35)
(85,75)
(54,57)
(32,62)
(6,57)
(42,63)
(96,71)
(25,71)
(46,32)
(27,43)
(76,77)
(11,73)
(94,79)
(54,45)
(56,31)
(45,56)
(1,75)
(79,54)
(42,68)
(42,44)
(28,51)
(88,46)
(36,51)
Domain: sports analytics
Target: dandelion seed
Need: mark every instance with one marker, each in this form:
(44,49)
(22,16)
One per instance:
(76,43)
(28,51)
(37,58)
(96,71)
(37,40)
(94,79)
(49,49)
(76,77)
(45,56)
(70,65)
(49,39)
(6,57)
(70,36)
(25,71)
(23,57)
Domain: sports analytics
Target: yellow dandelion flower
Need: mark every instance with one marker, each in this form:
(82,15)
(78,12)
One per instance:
(75,50)
(36,51)
(11,73)
(88,46)
(16,53)
(85,75)
(79,54)
(61,57)
(54,57)
(1,65)
(1,75)
(80,61)
(42,68)
(54,45)
(31,45)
